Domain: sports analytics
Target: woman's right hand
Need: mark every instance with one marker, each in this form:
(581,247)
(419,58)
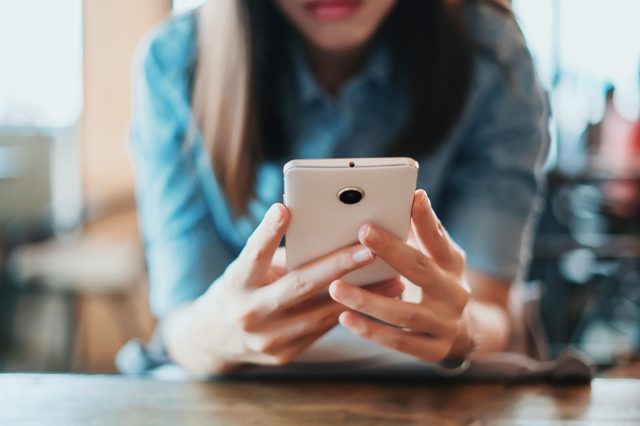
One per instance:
(255,312)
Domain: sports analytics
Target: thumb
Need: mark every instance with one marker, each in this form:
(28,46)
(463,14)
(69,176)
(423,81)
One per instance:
(256,256)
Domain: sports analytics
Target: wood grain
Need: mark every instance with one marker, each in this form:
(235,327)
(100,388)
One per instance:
(114,400)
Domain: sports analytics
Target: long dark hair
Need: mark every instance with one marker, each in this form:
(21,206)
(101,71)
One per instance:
(433,51)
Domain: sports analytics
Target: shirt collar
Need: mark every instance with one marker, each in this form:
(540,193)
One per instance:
(377,70)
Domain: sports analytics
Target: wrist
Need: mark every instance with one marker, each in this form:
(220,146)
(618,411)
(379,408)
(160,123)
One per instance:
(465,341)
(182,335)
(459,358)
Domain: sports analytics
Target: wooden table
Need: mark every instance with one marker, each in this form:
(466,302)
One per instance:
(113,400)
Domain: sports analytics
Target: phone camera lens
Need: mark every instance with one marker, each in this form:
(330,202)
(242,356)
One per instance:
(351,195)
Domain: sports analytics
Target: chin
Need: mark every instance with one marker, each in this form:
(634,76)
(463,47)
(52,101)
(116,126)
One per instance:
(336,41)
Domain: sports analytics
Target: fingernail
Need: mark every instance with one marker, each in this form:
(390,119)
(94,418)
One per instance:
(275,213)
(337,292)
(371,235)
(425,199)
(349,320)
(361,255)
(344,319)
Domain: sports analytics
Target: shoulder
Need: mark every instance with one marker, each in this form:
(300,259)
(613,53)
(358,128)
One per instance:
(170,48)
(494,29)
(504,67)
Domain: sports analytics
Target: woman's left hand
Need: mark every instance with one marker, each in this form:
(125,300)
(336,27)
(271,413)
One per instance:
(435,326)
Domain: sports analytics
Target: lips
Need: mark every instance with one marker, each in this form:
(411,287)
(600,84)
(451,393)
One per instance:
(330,10)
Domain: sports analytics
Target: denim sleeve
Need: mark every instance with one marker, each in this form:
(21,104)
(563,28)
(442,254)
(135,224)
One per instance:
(183,250)
(493,197)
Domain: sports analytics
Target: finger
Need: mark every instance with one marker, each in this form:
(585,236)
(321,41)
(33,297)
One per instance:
(406,260)
(432,235)
(279,260)
(274,335)
(389,288)
(274,274)
(313,278)
(278,266)
(291,352)
(420,346)
(256,257)
(396,312)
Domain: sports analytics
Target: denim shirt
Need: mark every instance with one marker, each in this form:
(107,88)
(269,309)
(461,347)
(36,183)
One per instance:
(484,181)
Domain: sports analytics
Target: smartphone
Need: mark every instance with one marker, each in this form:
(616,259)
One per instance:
(330,199)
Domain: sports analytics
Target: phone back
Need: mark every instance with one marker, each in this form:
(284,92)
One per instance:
(322,196)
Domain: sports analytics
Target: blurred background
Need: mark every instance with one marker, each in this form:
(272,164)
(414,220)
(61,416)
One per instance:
(72,273)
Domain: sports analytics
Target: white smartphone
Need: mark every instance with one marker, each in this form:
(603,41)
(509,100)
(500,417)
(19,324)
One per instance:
(330,199)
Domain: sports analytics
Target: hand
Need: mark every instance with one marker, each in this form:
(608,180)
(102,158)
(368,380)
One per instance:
(255,312)
(435,264)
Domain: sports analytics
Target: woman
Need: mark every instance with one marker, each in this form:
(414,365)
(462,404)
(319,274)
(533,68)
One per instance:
(230,93)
